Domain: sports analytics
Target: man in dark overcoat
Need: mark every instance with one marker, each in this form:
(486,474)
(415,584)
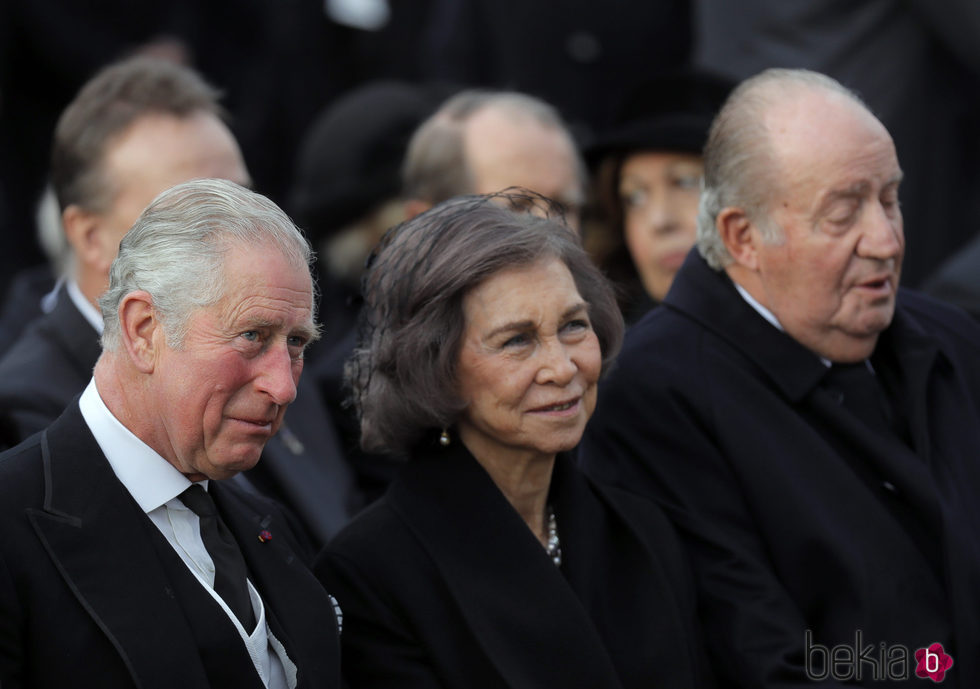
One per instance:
(812,430)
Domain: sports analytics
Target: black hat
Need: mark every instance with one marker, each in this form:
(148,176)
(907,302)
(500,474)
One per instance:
(670,112)
(350,159)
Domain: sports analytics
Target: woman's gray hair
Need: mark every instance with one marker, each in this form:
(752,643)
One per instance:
(176,250)
(403,374)
(739,166)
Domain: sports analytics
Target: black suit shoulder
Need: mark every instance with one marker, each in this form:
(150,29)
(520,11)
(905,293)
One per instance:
(47,367)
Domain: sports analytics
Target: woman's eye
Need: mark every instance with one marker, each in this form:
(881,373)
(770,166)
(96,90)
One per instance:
(577,324)
(688,182)
(516,341)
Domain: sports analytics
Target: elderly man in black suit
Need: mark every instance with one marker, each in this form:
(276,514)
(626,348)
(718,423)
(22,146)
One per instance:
(125,560)
(136,128)
(811,429)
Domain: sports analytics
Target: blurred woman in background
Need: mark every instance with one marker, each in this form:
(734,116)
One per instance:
(647,177)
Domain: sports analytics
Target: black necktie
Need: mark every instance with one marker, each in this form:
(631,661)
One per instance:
(229,565)
(862,395)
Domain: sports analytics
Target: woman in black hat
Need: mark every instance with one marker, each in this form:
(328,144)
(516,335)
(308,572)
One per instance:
(647,183)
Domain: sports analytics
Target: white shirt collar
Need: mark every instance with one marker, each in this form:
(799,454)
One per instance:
(767,314)
(149,478)
(762,310)
(84,306)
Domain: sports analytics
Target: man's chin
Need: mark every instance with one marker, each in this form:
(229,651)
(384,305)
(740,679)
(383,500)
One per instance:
(242,460)
(875,320)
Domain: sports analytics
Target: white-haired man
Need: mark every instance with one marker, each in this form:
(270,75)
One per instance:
(126,560)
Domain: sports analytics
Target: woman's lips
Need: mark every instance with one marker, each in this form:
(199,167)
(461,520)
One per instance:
(561,408)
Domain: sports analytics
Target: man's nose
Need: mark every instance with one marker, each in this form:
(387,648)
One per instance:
(882,238)
(278,375)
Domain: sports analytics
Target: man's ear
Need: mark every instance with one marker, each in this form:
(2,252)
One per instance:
(740,236)
(415,207)
(140,330)
(81,231)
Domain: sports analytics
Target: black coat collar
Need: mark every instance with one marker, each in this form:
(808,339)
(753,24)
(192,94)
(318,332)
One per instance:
(709,297)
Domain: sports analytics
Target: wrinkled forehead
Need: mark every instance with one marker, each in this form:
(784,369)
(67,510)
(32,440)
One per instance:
(821,139)
(809,120)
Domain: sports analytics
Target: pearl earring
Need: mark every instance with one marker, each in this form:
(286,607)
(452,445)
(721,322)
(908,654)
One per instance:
(444,438)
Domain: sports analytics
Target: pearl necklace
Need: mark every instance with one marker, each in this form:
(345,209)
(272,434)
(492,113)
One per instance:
(554,546)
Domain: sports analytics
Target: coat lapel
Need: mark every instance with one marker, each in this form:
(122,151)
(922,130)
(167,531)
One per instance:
(500,576)
(97,537)
(795,372)
(627,569)
(300,612)
(306,464)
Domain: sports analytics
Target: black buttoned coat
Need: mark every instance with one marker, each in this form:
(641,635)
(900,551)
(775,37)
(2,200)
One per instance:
(798,517)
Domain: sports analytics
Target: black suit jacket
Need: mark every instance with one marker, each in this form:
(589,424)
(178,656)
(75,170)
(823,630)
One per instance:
(443,585)
(49,364)
(23,303)
(798,517)
(91,595)
(302,467)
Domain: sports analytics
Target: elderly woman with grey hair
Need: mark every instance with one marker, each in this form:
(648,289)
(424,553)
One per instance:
(492,561)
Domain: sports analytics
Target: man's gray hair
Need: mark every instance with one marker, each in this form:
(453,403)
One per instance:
(105,107)
(435,166)
(176,251)
(739,165)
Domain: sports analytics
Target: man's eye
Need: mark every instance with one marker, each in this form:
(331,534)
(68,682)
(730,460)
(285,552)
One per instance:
(844,213)
(633,199)
(251,335)
(891,203)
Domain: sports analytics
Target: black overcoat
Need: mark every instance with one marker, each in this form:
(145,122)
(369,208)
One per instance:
(798,517)
(443,585)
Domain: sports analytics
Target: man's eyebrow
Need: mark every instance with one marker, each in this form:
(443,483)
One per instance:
(307,330)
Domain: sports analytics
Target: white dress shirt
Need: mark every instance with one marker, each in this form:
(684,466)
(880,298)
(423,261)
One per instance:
(155,484)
